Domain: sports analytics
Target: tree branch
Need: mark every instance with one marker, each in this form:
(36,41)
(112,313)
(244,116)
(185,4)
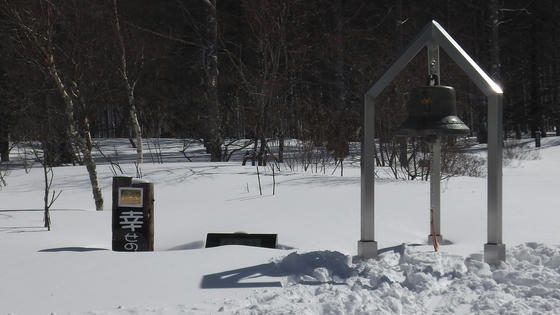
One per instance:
(161,35)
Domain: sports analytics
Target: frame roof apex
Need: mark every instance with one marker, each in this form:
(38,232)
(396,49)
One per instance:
(433,32)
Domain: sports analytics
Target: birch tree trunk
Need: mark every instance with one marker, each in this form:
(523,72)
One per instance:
(38,38)
(130,87)
(75,136)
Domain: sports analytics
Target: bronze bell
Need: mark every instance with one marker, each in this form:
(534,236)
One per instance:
(432,111)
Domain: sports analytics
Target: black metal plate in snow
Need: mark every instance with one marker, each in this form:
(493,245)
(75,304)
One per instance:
(258,240)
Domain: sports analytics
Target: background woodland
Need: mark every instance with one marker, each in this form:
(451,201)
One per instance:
(264,70)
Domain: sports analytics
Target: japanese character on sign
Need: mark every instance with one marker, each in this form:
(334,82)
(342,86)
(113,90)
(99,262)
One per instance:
(131,239)
(131,220)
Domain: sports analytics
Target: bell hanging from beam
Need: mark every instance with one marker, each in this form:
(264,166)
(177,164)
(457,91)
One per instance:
(432,111)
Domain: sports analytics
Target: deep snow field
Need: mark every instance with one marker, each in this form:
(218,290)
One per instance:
(72,270)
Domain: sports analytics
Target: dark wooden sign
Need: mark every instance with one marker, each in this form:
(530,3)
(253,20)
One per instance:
(133,215)
(258,240)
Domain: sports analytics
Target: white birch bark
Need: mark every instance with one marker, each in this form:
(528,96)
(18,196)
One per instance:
(40,40)
(130,86)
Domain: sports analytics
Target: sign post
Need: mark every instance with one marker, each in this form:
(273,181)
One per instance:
(133,215)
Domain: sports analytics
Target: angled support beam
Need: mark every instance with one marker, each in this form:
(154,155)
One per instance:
(464,61)
(404,59)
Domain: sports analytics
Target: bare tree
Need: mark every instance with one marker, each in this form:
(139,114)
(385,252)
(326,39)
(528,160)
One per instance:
(4,123)
(213,138)
(337,141)
(36,37)
(50,195)
(265,76)
(130,85)
(3,174)
(4,146)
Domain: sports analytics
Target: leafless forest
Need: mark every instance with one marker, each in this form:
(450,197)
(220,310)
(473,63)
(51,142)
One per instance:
(263,70)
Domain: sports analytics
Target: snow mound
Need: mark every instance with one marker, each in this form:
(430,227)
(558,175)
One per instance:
(408,281)
(315,267)
(402,280)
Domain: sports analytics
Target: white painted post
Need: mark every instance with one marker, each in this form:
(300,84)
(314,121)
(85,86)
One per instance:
(435,159)
(495,250)
(367,246)
(435,177)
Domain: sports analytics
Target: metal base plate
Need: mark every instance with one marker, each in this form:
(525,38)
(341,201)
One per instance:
(367,249)
(494,253)
(438,237)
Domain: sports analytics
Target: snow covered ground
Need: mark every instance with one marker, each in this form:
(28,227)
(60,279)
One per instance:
(72,270)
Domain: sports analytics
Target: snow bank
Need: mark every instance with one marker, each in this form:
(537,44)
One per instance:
(403,280)
(70,270)
(407,281)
